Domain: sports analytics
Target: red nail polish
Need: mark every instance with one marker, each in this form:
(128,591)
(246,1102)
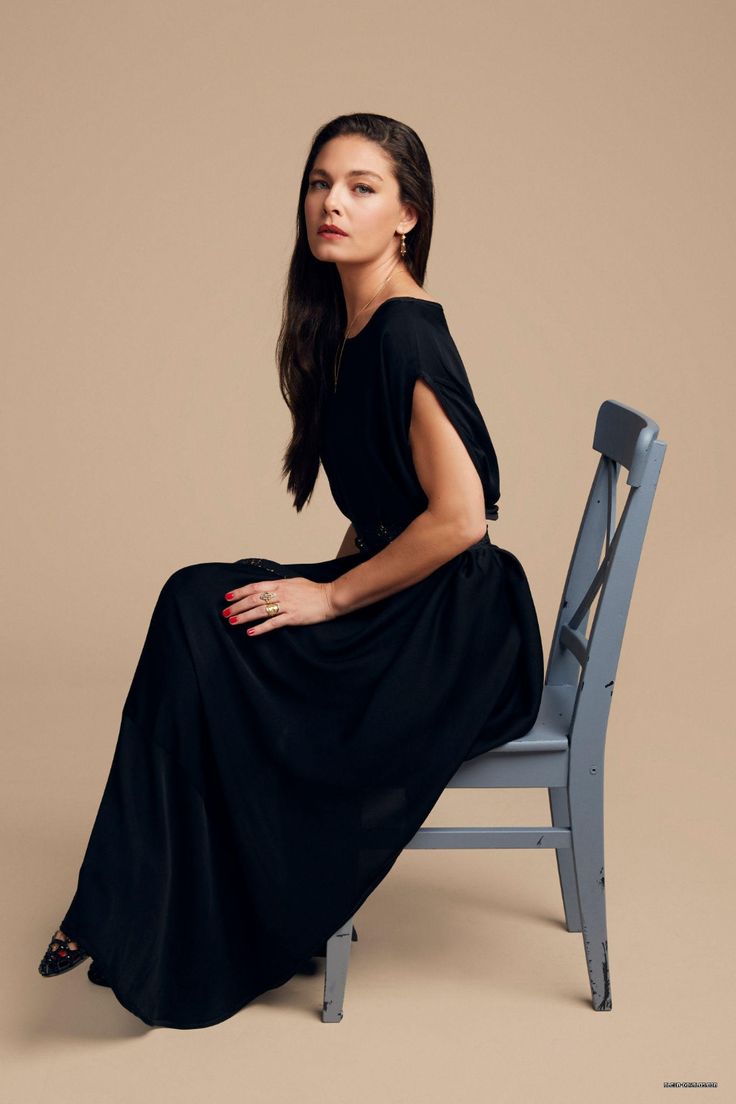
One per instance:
(226,613)
(249,632)
(232,620)
(229,597)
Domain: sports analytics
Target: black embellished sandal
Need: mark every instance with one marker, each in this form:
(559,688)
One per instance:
(60,957)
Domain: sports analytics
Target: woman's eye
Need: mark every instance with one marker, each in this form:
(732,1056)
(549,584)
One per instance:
(314,183)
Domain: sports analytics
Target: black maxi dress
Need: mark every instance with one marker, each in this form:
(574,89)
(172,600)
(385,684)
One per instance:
(261,788)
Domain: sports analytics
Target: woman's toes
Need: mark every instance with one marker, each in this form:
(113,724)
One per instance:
(60,935)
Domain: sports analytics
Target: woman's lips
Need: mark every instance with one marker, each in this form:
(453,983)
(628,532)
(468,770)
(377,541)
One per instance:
(330,234)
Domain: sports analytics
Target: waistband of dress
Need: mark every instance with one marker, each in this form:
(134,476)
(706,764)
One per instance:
(370,541)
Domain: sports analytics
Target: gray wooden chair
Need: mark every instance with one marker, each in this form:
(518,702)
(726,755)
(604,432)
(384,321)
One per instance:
(564,751)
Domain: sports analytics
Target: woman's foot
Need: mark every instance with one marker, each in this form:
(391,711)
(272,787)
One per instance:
(62,954)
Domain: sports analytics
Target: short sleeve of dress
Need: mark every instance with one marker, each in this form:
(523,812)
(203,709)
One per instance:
(418,345)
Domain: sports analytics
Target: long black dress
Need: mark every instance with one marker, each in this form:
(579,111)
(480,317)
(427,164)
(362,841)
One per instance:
(261,788)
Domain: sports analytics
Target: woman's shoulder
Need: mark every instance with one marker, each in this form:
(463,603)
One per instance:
(413,324)
(406,325)
(397,314)
(412,339)
(402,308)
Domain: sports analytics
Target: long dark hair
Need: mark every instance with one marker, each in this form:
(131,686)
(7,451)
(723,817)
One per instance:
(314,318)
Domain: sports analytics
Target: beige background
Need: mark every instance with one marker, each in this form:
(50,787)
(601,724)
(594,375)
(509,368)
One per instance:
(583,250)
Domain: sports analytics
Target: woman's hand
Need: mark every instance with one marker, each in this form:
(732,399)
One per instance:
(301,602)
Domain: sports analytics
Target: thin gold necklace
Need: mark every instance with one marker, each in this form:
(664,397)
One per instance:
(338,359)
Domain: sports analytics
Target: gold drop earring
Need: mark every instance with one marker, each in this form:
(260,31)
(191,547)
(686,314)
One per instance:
(402,250)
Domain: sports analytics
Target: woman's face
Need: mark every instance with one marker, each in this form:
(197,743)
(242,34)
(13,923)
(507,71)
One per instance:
(352,186)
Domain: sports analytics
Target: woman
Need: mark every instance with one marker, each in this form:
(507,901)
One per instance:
(289,727)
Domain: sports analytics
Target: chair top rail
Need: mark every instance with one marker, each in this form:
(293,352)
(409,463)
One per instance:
(625,435)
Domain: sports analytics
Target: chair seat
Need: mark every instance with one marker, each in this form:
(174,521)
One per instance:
(539,758)
(551,728)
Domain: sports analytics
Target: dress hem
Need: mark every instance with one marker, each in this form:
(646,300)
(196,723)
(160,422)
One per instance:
(78,937)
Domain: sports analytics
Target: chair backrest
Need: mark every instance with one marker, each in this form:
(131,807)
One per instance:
(626,439)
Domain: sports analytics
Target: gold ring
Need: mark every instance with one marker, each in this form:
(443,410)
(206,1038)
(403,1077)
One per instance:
(267,596)
(272,608)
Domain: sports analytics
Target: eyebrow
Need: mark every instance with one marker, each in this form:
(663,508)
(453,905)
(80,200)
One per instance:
(353,172)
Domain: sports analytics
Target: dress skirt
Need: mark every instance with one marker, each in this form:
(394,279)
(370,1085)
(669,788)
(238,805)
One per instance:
(262,787)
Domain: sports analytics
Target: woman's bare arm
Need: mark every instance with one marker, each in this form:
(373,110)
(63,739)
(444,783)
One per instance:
(348,546)
(453,520)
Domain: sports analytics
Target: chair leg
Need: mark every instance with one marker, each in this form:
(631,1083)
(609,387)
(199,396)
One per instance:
(560,812)
(586,823)
(336,972)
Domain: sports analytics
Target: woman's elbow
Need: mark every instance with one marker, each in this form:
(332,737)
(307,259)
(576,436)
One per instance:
(464,530)
(474,531)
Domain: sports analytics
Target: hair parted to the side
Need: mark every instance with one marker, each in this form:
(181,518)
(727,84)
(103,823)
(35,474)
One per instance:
(313,317)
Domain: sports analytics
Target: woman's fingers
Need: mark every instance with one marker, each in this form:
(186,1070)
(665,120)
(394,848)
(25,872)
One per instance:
(248,604)
(274,622)
(241,614)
